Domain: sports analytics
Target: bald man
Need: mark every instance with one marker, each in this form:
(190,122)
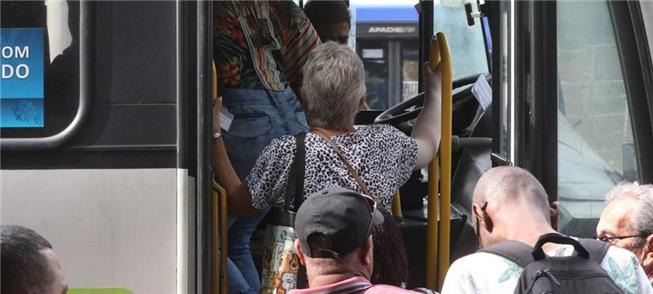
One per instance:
(510,204)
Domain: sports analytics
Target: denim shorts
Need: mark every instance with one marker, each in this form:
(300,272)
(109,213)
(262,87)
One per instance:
(259,117)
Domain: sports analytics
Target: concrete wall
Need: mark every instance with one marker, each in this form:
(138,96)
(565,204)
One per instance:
(110,228)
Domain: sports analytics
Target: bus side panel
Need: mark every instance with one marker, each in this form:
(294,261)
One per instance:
(110,227)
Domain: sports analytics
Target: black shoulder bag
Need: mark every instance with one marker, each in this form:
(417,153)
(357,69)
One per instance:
(280,266)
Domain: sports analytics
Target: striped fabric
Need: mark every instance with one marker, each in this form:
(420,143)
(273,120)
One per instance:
(261,44)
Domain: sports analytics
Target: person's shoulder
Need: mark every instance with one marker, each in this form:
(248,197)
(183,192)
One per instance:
(380,131)
(380,288)
(623,267)
(617,260)
(481,272)
(284,142)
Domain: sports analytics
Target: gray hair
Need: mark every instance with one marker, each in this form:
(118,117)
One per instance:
(333,86)
(641,219)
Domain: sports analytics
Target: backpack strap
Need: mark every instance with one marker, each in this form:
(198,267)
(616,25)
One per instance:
(597,249)
(295,186)
(515,251)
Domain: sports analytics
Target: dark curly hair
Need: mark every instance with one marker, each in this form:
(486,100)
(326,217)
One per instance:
(390,259)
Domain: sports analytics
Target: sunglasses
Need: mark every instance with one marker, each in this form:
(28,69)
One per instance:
(371,207)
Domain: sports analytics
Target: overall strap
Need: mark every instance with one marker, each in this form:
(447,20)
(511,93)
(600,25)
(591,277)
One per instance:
(342,156)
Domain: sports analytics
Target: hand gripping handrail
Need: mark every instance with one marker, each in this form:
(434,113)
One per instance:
(438,233)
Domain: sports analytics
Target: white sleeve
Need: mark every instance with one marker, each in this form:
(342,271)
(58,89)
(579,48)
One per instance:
(624,269)
(458,279)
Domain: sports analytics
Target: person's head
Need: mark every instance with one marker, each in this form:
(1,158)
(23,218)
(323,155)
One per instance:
(333,229)
(331,19)
(333,86)
(390,259)
(504,194)
(627,221)
(29,265)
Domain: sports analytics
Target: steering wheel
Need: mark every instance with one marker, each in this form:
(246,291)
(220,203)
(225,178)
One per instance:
(409,109)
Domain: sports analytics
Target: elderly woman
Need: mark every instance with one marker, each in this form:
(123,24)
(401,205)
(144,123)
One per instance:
(334,88)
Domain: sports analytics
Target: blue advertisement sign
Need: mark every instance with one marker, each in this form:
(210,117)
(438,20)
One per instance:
(22,71)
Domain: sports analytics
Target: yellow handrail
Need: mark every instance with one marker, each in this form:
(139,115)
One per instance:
(219,236)
(396,205)
(445,160)
(218,218)
(432,225)
(438,233)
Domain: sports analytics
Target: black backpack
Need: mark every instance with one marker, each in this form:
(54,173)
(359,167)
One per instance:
(581,273)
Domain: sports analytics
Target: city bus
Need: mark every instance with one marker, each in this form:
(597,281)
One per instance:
(106,112)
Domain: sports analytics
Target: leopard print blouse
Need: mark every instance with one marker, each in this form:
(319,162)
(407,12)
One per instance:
(382,155)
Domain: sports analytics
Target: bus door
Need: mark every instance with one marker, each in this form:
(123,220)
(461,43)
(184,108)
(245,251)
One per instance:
(574,99)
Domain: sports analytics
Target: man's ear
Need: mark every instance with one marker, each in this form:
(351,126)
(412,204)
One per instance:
(486,221)
(366,253)
(300,253)
(647,257)
(554,209)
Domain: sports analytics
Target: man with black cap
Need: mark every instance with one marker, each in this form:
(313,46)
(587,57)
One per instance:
(334,241)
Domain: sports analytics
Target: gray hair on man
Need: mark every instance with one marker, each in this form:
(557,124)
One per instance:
(333,86)
(641,219)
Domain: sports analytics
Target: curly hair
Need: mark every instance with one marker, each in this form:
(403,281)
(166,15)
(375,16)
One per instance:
(390,259)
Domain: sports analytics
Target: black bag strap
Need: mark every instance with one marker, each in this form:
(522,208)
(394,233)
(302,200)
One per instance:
(515,251)
(295,187)
(597,249)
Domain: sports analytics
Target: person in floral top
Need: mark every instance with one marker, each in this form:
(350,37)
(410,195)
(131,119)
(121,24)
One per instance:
(259,48)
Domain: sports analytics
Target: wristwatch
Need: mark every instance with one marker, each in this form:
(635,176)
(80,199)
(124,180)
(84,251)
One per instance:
(217,135)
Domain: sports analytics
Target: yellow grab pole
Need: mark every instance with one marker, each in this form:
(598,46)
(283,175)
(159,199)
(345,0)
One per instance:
(445,160)
(432,226)
(218,218)
(396,205)
(219,236)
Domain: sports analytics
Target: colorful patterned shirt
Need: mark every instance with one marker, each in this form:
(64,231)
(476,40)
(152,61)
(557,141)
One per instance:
(482,272)
(261,44)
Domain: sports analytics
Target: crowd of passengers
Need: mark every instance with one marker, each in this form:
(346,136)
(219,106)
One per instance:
(295,88)
(334,241)
(283,84)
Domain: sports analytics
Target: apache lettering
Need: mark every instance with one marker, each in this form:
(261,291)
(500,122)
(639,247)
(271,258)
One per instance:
(399,30)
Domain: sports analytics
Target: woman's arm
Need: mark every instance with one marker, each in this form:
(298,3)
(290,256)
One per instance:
(427,128)
(238,197)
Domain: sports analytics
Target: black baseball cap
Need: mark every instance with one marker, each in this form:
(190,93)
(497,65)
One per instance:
(334,222)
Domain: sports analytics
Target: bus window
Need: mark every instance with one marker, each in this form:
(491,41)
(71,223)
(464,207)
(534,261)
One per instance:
(595,137)
(409,69)
(387,42)
(40,67)
(465,42)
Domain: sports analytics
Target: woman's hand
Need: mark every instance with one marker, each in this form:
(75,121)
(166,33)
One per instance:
(217,105)
(427,127)
(433,80)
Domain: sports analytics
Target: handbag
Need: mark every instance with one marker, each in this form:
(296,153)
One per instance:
(280,268)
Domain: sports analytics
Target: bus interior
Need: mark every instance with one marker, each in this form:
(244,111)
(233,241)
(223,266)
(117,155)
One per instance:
(106,145)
